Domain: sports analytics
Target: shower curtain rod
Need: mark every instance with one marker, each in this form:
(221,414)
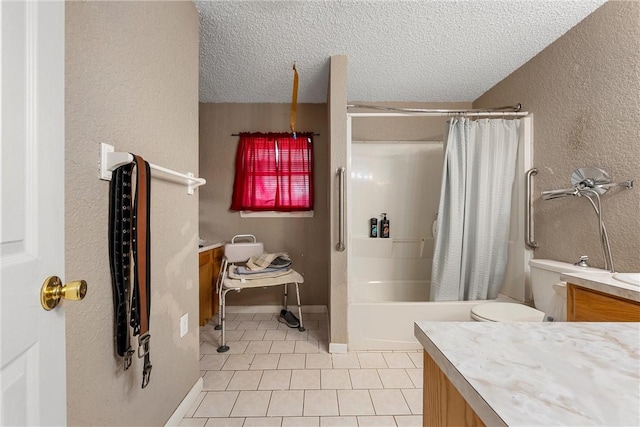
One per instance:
(398,111)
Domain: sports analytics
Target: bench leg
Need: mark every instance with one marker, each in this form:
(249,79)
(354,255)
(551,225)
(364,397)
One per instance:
(301,327)
(223,338)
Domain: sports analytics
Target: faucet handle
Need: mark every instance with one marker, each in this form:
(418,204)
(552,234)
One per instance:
(583,261)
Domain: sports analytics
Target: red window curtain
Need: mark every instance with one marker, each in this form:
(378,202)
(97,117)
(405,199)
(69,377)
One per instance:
(274,172)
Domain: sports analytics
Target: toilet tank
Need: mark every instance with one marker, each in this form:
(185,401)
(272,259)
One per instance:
(545,273)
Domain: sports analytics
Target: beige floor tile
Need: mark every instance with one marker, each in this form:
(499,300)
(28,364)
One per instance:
(306,347)
(376,421)
(268,325)
(310,325)
(282,346)
(210,335)
(323,347)
(225,422)
(389,402)
(265,361)
(275,380)
(248,324)
(417,359)
(413,397)
(409,420)
(296,335)
(216,404)
(255,347)
(263,422)
(320,402)
(244,316)
(231,325)
(318,334)
(345,361)
(275,335)
(291,361)
(237,347)
(315,316)
(318,361)
(245,380)
(238,362)
(365,379)
(395,378)
(233,335)
(209,348)
(286,403)
(371,360)
(195,405)
(193,422)
(416,377)
(300,421)
(262,316)
(398,360)
(251,404)
(332,379)
(305,379)
(216,380)
(355,402)
(256,335)
(212,362)
(338,422)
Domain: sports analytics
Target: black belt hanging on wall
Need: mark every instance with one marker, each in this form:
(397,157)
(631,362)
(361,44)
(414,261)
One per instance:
(129,238)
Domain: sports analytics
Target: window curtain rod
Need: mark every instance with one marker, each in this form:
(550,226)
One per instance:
(313,134)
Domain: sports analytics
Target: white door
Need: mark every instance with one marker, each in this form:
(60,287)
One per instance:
(32,340)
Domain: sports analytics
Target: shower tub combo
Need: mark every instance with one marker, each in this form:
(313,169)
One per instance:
(389,279)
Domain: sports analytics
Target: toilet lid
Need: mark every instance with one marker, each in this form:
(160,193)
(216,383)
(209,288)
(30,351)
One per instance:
(506,312)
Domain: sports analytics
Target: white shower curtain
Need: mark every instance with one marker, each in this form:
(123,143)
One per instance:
(475,205)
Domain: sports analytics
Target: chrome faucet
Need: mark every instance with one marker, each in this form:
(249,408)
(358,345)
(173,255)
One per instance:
(591,182)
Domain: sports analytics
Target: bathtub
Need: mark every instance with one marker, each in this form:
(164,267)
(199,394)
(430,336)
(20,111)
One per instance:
(381,314)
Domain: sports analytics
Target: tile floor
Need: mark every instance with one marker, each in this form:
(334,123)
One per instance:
(277,376)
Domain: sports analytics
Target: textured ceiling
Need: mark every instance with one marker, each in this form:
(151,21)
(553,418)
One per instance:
(430,51)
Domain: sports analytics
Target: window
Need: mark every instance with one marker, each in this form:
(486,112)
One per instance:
(274,172)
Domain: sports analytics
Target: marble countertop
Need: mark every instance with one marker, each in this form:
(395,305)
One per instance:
(208,246)
(604,282)
(542,374)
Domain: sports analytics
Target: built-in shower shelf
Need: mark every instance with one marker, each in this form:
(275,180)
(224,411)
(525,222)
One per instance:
(419,247)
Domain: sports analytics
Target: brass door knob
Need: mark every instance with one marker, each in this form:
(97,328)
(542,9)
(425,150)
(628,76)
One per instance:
(53,291)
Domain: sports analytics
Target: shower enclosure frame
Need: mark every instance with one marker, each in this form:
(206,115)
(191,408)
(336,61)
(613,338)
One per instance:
(390,315)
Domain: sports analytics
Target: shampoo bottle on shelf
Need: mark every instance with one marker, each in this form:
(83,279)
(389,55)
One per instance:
(373,227)
(384,226)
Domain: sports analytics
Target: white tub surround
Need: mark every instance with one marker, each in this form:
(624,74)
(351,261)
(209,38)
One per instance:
(605,283)
(550,373)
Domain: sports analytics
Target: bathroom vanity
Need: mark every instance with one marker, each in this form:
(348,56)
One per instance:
(547,373)
(210,259)
(601,298)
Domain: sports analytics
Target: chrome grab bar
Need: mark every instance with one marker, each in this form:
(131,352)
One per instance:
(340,247)
(528,217)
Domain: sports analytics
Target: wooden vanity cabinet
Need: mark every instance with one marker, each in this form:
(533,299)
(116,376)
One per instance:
(587,305)
(210,262)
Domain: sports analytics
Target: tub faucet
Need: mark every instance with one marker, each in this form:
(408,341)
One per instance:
(583,261)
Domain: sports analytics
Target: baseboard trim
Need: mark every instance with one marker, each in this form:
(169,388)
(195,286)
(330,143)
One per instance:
(185,405)
(274,308)
(338,348)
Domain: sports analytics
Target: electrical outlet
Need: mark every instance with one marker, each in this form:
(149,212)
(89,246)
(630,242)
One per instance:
(184,325)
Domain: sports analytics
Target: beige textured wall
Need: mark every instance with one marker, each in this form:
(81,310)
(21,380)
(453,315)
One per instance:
(584,93)
(131,81)
(303,238)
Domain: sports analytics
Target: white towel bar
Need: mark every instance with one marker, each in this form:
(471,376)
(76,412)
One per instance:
(110,160)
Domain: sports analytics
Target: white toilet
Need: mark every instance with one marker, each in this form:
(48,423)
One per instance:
(545,274)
